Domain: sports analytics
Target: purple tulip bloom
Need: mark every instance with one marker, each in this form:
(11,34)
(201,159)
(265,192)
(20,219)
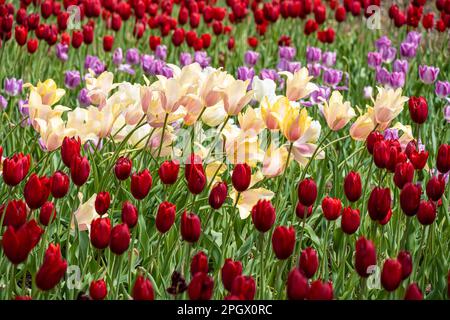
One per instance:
(397,80)
(400,66)
(382,43)
(22,107)
(83,98)
(391,134)
(3,102)
(374,59)
(383,76)
(314,69)
(95,64)
(185,59)
(245,73)
(313,54)
(408,50)
(447,113)
(283,65)
(62,51)
(428,74)
(201,57)
(294,66)
(389,54)
(251,58)
(125,67)
(414,37)
(319,95)
(442,89)
(117,56)
(132,56)
(146,62)
(72,79)
(329,59)
(332,77)
(13,86)
(287,53)
(161,52)
(269,74)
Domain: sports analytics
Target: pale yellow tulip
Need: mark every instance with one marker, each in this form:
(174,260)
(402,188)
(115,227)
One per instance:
(85,214)
(337,113)
(363,125)
(388,105)
(99,88)
(295,123)
(274,162)
(298,85)
(236,96)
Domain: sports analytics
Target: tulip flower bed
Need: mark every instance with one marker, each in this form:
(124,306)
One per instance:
(224,150)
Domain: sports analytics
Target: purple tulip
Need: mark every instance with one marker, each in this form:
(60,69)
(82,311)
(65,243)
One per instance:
(294,66)
(397,80)
(13,86)
(161,52)
(428,74)
(332,77)
(287,53)
(269,74)
(201,57)
(382,43)
(3,102)
(400,66)
(329,59)
(83,98)
(383,76)
(185,59)
(391,134)
(22,107)
(146,62)
(368,92)
(167,71)
(447,113)
(127,68)
(318,96)
(117,56)
(283,65)
(389,54)
(95,64)
(132,56)
(62,51)
(72,79)
(442,89)
(408,50)
(245,73)
(251,58)
(414,37)
(374,59)
(314,69)
(313,54)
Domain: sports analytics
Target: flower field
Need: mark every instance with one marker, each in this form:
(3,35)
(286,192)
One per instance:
(237,150)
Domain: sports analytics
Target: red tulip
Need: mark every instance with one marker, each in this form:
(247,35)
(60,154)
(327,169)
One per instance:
(154,42)
(143,289)
(373,138)
(350,220)
(79,170)
(417,158)
(230,270)
(405,259)
(33,21)
(340,14)
(428,21)
(413,292)
(120,239)
(199,263)
(426,214)
(443,158)
(307,192)
(195,174)
(52,269)
(190,227)
(410,198)
(36,191)
(59,185)
(379,203)
(129,214)
(201,287)
(165,217)
(241,177)
(365,257)
(418,109)
(381,151)
(297,285)
(46,9)
(218,195)
(352,186)
(404,173)
(331,208)
(32,45)
(436,187)
(70,148)
(244,287)
(122,169)
(283,242)
(88,34)
(108,43)
(77,40)
(311,26)
(300,211)
(178,37)
(320,13)
(168,171)
(183,15)
(309,262)
(263,215)
(252,42)
(141,182)
(15,169)
(391,275)
(98,290)
(320,290)
(102,202)
(47,213)
(18,242)
(231,43)
(100,232)
(21,34)
(15,213)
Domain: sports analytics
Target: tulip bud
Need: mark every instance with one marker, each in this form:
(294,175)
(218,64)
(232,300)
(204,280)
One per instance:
(196,178)
(168,171)
(199,263)
(426,214)
(79,170)
(100,232)
(365,257)
(379,203)
(190,227)
(404,257)
(59,185)
(307,192)
(410,198)
(218,195)
(418,109)
(244,287)
(443,158)
(141,182)
(436,187)
(52,269)
(300,211)
(120,239)
(201,287)
(320,290)
(309,262)
(404,173)
(297,285)
(413,292)
(230,270)
(15,169)
(47,213)
(36,191)
(352,186)
(391,275)
(350,220)
(241,177)
(69,149)
(373,138)
(122,169)
(331,208)
(165,217)
(97,290)
(15,213)
(263,215)
(283,242)
(381,153)
(143,289)
(102,202)
(129,214)
(17,243)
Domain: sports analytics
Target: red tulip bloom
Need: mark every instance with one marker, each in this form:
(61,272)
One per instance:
(413,292)
(122,168)
(195,177)
(307,192)
(297,285)
(435,187)
(218,195)
(70,148)
(244,287)
(418,109)
(320,290)
(79,170)
(405,259)
(36,191)
(230,270)
(100,232)
(108,43)
(352,186)
(410,198)
(331,208)
(199,263)
(143,289)
(373,138)
(102,202)
(59,185)
(283,242)
(311,26)
(141,182)
(190,227)
(404,173)
(15,169)
(129,214)
(52,270)
(309,262)
(21,34)
(168,171)
(201,287)
(350,220)
(303,212)
(241,177)
(263,215)
(426,214)
(47,214)
(340,14)
(98,290)
(443,158)
(252,42)
(17,243)
(379,203)
(391,275)
(15,213)
(165,217)
(120,239)
(365,257)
